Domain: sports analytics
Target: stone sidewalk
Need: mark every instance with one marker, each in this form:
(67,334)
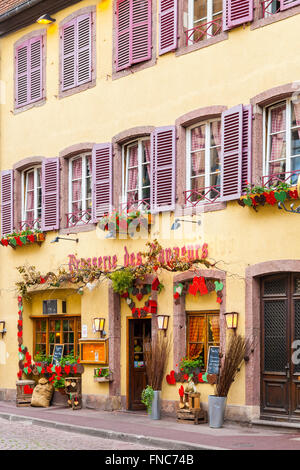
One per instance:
(167,433)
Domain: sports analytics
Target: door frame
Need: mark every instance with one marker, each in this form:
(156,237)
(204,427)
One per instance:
(252,325)
(128,319)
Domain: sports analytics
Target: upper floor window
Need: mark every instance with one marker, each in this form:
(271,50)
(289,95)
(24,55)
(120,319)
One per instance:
(80,189)
(31,198)
(136,174)
(133,32)
(29,72)
(204,19)
(204,161)
(282,142)
(76,45)
(270,7)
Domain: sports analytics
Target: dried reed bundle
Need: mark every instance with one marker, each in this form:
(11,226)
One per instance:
(156,357)
(235,355)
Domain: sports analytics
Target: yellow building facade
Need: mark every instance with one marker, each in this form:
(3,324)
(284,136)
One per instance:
(222,66)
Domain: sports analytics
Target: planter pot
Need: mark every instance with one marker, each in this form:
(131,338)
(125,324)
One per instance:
(216,411)
(103,379)
(155,411)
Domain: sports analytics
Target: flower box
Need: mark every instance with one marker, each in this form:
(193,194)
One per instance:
(27,237)
(98,377)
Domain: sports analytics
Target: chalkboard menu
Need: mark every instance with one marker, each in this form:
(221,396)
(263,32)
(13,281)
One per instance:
(213,360)
(57,354)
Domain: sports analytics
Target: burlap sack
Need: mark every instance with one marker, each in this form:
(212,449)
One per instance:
(42,394)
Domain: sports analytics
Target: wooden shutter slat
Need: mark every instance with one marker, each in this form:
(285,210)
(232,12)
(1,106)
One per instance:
(7,202)
(231,153)
(167,26)
(285,4)
(164,163)
(69,55)
(84,50)
(102,176)
(22,75)
(141,30)
(50,194)
(35,83)
(247,146)
(237,12)
(123,34)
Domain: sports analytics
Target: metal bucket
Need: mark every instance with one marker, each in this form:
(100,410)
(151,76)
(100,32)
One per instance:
(216,410)
(155,411)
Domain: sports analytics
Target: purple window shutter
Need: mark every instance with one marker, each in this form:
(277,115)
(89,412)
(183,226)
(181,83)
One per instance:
(239,12)
(7,202)
(123,34)
(141,30)
(231,153)
(247,146)
(164,169)
(22,74)
(84,50)
(102,180)
(167,26)
(36,69)
(285,4)
(50,191)
(69,51)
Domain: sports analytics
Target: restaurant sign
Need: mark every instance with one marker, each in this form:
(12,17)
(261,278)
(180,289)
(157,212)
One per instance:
(110,262)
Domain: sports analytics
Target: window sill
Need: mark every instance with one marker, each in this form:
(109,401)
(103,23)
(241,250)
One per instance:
(202,208)
(201,44)
(35,104)
(282,15)
(77,229)
(133,68)
(77,89)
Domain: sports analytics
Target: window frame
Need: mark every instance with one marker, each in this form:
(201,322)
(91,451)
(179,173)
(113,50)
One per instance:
(61,318)
(267,135)
(207,174)
(84,178)
(125,167)
(209,16)
(206,315)
(24,179)
(89,10)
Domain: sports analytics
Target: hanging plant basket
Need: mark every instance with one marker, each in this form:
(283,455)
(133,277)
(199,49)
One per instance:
(27,237)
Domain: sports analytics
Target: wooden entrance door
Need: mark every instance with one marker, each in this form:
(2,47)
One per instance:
(280,315)
(139,333)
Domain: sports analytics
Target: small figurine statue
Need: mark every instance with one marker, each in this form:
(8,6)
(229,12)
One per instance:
(191,387)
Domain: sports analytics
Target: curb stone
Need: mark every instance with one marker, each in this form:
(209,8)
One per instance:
(166,444)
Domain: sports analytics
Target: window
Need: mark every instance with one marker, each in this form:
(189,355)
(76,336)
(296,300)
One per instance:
(76,44)
(204,161)
(29,72)
(204,19)
(49,331)
(203,331)
(270,7)
(31,198)
(282,142)
(136,174)
(80,190)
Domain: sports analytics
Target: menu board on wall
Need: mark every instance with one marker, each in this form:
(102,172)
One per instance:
(94,352)
(213,360)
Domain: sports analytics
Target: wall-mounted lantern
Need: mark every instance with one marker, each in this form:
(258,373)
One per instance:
(98,325)
(231,320)
(45,19)
(163,322)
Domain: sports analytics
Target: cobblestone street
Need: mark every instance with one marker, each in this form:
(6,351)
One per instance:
(23,435)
